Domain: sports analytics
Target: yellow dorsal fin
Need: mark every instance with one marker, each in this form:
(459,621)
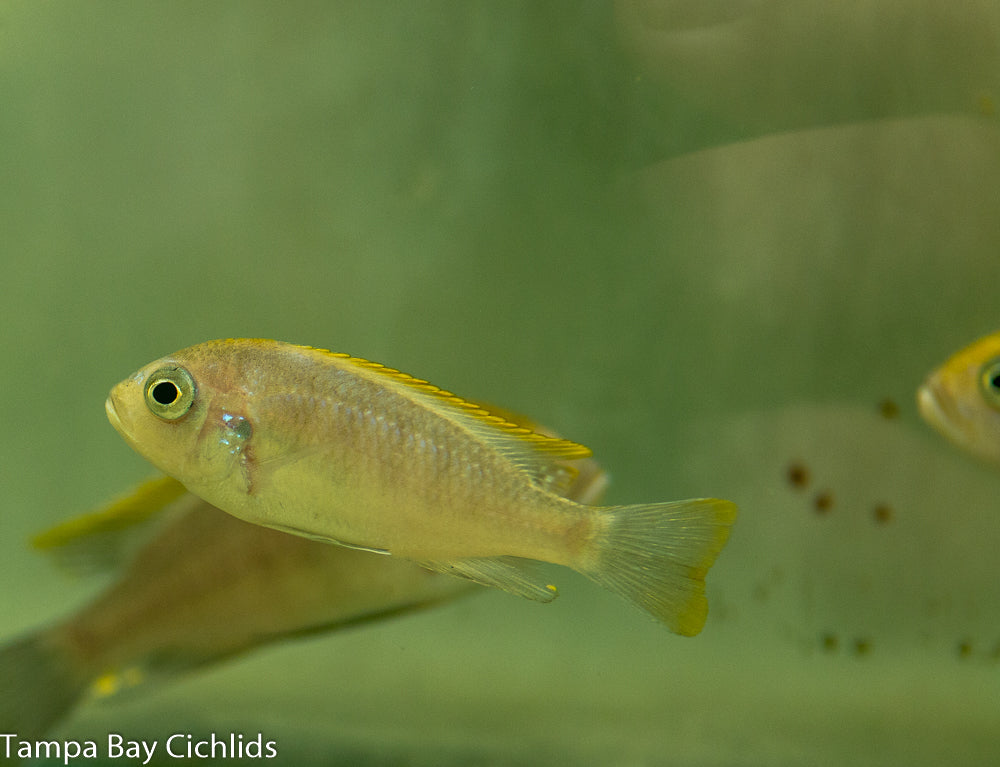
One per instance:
(125,512)
(550,446)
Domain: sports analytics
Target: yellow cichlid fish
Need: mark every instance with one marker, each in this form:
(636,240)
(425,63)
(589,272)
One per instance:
(339,449)
(961,399)
(194,587)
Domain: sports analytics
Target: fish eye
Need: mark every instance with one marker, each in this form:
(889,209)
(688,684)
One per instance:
(989,382)
(170,392)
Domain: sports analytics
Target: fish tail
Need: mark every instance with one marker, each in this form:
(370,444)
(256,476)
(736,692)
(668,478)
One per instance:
(37,687)
(657,555)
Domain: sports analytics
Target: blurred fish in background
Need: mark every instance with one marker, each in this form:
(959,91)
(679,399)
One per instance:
(204,587)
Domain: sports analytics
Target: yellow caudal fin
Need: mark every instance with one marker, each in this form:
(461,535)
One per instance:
(657,556)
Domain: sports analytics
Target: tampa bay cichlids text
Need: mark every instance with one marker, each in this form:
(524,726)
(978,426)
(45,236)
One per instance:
(180,745)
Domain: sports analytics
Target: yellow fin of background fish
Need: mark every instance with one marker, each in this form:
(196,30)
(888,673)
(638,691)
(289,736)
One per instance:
(100,540)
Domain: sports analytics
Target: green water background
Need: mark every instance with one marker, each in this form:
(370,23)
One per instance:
(707,241)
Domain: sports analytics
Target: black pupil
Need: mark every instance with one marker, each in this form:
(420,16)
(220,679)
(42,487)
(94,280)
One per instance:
(165,392)
(995,381)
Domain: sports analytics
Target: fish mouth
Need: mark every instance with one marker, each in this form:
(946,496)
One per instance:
(929,405)
(940,410)
(109,408)
(112,412)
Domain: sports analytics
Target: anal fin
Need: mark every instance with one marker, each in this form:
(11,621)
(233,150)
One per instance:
(510,574)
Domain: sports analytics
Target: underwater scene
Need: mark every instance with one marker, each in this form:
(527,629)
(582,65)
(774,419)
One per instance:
(702,285)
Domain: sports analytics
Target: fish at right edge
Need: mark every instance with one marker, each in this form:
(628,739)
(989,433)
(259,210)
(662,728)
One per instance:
(961,399)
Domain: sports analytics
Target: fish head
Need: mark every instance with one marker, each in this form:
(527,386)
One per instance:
(186,415)
(961,399)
